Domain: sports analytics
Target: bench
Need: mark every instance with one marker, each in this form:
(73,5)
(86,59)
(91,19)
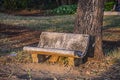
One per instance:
(53,44)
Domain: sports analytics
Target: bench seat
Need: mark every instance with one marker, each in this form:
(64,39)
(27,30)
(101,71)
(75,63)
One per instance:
(52,51)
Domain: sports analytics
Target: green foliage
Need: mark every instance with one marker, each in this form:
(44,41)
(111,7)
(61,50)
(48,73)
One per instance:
(109,6)
(22,4)
(44,4)
(9,4)
(71,9)
(65,9)
(15,4)
(26,4)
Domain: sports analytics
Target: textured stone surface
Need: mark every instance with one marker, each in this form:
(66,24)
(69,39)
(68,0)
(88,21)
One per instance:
(67,41)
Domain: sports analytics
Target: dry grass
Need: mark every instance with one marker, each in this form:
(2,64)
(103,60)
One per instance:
(51,23)
(115,53)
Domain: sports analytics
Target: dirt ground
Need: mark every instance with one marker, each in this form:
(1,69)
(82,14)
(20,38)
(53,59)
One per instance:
(36,71)
(13,38)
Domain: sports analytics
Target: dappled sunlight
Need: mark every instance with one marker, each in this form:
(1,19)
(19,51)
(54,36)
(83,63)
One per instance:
(48,23)
(111,22)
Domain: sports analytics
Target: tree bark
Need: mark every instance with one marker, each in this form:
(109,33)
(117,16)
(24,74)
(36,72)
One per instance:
(89,20)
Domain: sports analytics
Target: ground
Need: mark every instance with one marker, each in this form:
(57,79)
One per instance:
(19,31)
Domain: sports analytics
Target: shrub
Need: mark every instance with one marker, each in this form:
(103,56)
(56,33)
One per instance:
(26,4)
(10,4)
(71,9)
(65,9)
(14,4)
(109,6)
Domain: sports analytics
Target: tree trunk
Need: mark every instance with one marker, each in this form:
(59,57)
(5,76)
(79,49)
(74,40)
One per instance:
(89,20)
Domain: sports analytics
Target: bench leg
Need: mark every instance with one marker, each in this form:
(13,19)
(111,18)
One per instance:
(34,58)
(53,59)
(71,61)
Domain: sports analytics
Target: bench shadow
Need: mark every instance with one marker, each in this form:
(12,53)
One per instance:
(109,46)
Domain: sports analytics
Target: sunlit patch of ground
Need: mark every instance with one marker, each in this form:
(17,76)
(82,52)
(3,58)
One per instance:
(49,23)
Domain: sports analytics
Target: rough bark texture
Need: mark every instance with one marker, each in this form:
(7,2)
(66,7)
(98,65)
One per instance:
(89,20)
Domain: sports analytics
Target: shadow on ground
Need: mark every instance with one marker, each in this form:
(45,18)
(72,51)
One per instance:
(109,46)
(112,73)
(13,38)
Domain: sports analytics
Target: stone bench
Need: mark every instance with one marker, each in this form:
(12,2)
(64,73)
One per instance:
(53,44)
